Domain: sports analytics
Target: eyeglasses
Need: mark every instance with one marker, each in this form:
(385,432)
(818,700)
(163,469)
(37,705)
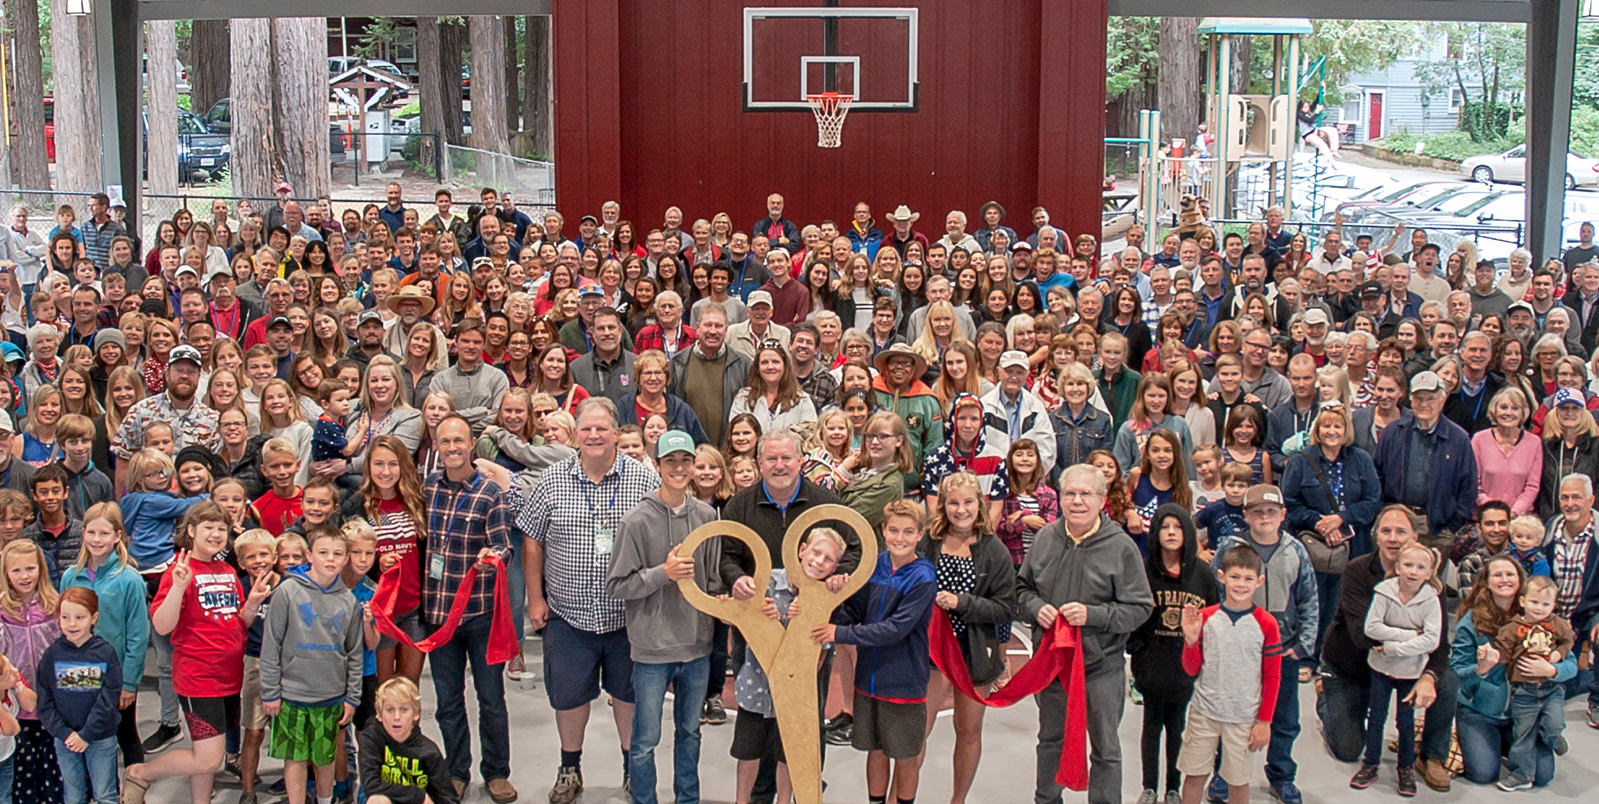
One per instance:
(877,436)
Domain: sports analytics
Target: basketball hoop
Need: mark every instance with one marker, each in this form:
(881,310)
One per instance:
(830,109)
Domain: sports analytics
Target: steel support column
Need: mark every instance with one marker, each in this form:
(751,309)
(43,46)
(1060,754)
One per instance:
(1551,61)
(119,68)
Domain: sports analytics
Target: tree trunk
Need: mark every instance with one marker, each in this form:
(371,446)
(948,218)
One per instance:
(512,97)
(255,161)
(209,59)
(488,93)
(161,86)
(301,90)
(437,89)
(1240,63)
(77,101)
(536,83)
(30,165)
(452,38)
(1177,90)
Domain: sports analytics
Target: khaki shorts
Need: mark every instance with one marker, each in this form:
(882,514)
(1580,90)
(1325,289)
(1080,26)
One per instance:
(1198,754)
(255,716)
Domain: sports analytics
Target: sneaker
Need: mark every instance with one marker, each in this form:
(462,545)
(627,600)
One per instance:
(1407,781)
(1147,797)
(1306,674)
(839,730)
(1364,777)
(247,798)
(1510,782)
(278,788)
(162,738)
(231,769)
(568,784)
(1561,746)
(1287,793)
(1216,793)
(515,668)
(1593,714)
(343,792)
(501,791)
(715,713)
(1135,696)
(1173,797)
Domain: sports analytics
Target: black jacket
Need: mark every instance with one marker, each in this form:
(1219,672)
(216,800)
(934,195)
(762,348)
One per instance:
(1558,461)
(1157,646)
(990,604)
(752,507)
(1590,330)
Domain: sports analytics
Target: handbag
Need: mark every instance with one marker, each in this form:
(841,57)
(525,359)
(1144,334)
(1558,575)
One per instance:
(1324,557)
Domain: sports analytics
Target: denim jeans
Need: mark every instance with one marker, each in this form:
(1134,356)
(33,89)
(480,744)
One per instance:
(449,662)
(1384,688)
(1536,717)
(1328,590)
(1483,740)
(516,587)
(650,681)
(1342,707)
(93,771)
(1280,765)
(8,773)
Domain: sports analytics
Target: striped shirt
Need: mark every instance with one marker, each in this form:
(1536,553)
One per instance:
(463,518)
(577,520)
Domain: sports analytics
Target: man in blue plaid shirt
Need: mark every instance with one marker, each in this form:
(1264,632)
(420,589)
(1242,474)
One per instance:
(468,522)
(571,521)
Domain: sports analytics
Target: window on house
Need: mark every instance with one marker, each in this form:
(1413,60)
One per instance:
(1456,100)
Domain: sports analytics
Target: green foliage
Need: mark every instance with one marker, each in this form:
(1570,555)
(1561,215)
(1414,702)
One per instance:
(1585,89)
(411,109)
(377,36)
(1585,131)
(1132,55)
(1452,145)
(1352,46)
(1487,63)
(183,103)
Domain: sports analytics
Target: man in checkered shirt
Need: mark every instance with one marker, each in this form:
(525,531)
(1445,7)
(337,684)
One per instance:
(570,521)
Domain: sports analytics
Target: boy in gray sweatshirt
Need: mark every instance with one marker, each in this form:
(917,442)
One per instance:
(669,640)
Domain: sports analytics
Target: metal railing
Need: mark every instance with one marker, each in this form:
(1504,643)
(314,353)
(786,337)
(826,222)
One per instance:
(531,181)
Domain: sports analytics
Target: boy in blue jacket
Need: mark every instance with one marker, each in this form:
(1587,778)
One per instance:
(888,621)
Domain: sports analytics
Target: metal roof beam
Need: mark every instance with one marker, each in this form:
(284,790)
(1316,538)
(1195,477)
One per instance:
(1442,10)
(234,9)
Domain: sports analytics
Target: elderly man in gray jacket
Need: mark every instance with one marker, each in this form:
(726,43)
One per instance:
(1084,568)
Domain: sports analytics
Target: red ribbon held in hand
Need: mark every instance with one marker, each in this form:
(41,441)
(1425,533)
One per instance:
(502,636)
(1059,656)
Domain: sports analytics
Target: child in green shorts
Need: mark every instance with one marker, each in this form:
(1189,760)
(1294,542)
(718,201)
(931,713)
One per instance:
(311,664)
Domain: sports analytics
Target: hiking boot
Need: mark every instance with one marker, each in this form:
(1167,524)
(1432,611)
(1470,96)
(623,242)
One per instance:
(1364,777)
(501,791)
(1434,774)
(715,713)
(1216,793)
(162,738)
(1407,781)
(1147,797)
(1287,793)
(839,730)
(568,784)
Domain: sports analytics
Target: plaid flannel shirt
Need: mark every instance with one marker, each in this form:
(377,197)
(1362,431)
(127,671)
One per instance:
(463,518)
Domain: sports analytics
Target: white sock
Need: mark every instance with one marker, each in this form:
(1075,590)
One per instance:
(324,800)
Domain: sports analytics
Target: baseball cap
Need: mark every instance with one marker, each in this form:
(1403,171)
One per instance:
(1569,396)
(1315,317)
(1013,357)
(1370,290)
(759,297)
(5,423)
(184,352)
(1263,495)
(1426,381)
(1021,245)
(283,185)
(589,289)
(279,319)
(1520,305)
(216,273)
(185,269)
(369,316)
(674,441)
(588,219)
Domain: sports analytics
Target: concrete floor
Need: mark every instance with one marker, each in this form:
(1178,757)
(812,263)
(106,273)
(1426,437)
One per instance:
(1006,774)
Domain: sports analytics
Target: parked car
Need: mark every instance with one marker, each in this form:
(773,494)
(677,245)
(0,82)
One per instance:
(1511,167)
(338,64)
(218,120)
(202,153)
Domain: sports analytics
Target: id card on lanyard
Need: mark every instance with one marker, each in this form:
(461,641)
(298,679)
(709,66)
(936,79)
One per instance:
(604,537)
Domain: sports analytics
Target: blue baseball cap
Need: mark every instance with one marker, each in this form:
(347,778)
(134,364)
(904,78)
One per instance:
(674,441)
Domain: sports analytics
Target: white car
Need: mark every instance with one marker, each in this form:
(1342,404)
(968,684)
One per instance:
(1511,166)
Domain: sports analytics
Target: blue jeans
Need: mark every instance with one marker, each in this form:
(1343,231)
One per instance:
(1328,590)
(94,770)
(688,680)
(1483,740)
(1384,688)
(8,773)
(1280,765)
(516,587)
(470,645)
(1342,707)
(1536,717)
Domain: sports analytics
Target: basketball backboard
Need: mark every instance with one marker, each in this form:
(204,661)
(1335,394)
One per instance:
(868,53)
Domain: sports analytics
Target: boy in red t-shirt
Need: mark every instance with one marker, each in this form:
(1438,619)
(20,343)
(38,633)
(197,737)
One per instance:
(277,509)
(201,605)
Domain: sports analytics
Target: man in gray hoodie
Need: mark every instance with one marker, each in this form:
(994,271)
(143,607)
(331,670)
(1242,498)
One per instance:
(1084,568)
(670,641)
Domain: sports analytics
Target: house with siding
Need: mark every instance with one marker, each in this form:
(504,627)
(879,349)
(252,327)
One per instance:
(1384,101)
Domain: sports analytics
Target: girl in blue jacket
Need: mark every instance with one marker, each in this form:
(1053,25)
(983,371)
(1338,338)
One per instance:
(79,678)
(104,568)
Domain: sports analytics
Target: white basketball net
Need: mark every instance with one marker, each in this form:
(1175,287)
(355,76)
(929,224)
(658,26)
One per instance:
(830,109)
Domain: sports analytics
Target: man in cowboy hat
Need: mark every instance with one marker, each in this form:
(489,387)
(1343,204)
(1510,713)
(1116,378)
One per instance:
(902,219)
(899,388)
(993,215)
(411,306)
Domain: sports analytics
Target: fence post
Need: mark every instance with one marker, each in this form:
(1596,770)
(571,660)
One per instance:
(1149,153)
(438,155)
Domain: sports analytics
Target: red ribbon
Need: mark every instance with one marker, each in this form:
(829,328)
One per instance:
(502,636)
(1059,655)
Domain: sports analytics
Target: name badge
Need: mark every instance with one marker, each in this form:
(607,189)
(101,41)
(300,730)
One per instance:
(436,566)
(604,540)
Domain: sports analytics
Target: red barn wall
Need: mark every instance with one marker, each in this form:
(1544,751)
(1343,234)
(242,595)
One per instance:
(648,112)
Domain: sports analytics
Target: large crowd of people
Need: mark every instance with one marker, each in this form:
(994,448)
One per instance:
(413,435)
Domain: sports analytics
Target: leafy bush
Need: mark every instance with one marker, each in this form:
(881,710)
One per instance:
(1452,145)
